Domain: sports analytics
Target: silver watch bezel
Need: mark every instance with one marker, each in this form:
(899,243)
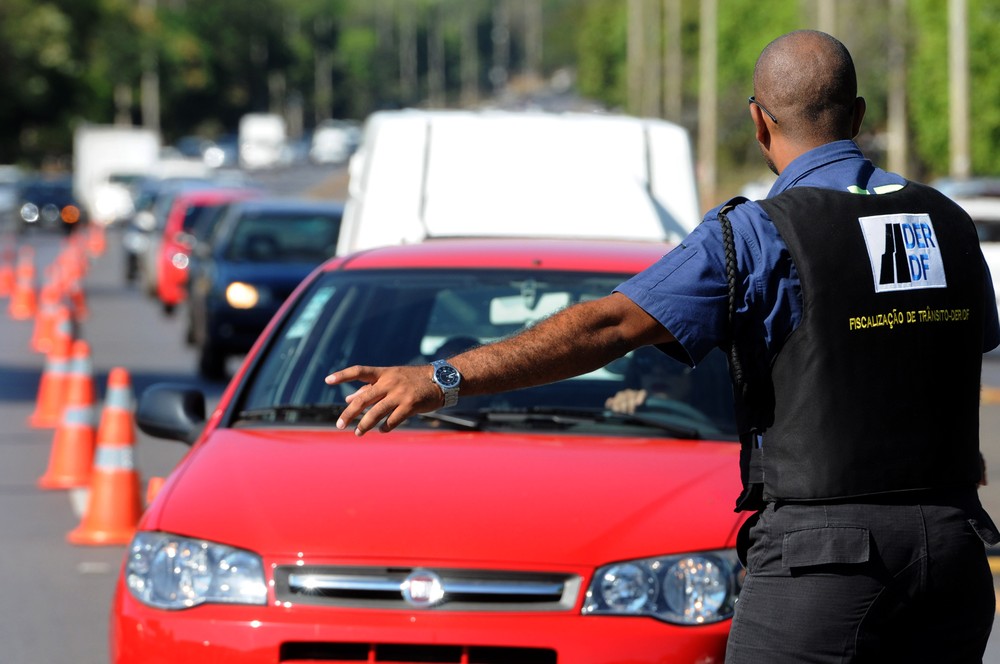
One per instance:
(450,390)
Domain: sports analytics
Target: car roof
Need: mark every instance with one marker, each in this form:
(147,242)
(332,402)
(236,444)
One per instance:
(620,257)
(221,192)
(981,208)
(305,205)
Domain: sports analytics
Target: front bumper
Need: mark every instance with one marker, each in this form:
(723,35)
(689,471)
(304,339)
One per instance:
(272,634)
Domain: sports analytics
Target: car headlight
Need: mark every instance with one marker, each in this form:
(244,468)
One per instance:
(242,295)
(172,572)
(686,589)
(30,213)
(180,260)
(51,213)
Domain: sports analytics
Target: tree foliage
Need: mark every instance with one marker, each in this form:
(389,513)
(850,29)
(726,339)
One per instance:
(928,83)
(63,62)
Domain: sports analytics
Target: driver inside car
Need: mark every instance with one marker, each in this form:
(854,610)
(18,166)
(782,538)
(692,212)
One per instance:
(650,377)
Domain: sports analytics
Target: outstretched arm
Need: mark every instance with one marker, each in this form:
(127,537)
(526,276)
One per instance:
(574,341)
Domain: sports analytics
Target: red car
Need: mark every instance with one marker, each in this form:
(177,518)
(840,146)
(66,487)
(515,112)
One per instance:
(179,235)
(535,526)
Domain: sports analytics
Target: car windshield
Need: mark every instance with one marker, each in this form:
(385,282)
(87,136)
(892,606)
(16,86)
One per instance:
(204,219)
(197,214)
(49,190)
(415,316)
(290,237)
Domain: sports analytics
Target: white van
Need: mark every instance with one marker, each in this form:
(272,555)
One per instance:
(262,138)
(420,174)
(985,213)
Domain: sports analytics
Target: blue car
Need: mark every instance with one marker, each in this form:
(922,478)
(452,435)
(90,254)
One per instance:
(258,253)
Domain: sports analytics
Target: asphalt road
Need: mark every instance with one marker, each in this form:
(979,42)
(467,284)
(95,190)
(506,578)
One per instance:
(57,595)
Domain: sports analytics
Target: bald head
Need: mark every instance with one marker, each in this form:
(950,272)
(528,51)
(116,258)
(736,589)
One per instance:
(807,79)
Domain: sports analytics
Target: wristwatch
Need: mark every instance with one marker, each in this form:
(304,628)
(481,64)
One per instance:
(448,379)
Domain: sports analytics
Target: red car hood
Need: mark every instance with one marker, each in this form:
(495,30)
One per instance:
(433,497)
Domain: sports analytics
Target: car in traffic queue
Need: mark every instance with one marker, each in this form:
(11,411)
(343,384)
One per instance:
(985,213)
(178,239)
(150,263)
(153,197)
(47,202)
(258,252)
(534,526)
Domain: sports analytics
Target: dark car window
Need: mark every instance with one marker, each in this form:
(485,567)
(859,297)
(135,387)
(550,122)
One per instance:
(413,317)
(200,218)
(204,220)
(283,238)
(59,192)
(988,229)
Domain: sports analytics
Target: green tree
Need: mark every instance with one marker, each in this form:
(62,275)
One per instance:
(601,52)
(927,85)
(42,82)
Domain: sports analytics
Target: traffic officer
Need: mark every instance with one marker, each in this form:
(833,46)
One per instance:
(855,306)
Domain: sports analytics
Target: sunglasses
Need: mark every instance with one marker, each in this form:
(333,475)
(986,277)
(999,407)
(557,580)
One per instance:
(753,100)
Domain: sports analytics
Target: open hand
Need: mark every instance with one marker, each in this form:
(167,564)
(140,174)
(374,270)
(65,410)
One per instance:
(390,395)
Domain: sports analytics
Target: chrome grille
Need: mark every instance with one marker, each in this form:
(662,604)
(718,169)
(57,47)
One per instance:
(463,589)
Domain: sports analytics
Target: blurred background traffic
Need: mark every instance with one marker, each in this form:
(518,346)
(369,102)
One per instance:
(108,103)
(221,149)
(299,76)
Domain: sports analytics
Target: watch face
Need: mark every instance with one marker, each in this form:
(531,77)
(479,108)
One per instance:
(446,375)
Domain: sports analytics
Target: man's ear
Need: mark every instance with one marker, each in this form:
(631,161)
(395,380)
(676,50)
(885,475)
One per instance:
(859,115)
(763,133)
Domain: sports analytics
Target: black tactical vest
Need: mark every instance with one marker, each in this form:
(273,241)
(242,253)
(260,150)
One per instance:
(877,390)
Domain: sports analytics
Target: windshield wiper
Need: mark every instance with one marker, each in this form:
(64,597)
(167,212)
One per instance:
(291,414)
(654,422)
(464,420)
(561,416)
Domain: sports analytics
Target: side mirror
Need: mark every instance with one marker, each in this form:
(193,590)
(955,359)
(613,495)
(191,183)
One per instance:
(170,411)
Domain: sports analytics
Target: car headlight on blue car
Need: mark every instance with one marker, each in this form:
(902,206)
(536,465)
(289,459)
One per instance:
(685,589)
(241,295)
(172,572)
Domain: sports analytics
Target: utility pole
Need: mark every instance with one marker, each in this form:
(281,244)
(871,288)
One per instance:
(673,89)
(149,84)
(897,149)
(958,88)
(652,58)
(407,53)
(322,69)
(435,57)
(470,54)
(827,16)
(635,54)
(533,40)
(708,99)
(500,71)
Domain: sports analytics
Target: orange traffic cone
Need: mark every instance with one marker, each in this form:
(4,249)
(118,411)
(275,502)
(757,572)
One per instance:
(7,279)
(114,504)
(24,301)
(73,268)
(96,241)
(71,459)
(49,301)
(53,385)
(153,487)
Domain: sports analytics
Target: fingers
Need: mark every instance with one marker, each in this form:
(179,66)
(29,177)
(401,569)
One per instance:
(390,396)
(626,401)
(351,374)
(364,398)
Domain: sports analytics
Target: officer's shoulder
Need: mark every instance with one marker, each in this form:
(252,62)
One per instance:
(736,209)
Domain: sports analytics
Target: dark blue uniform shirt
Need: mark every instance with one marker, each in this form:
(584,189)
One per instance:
(687,290)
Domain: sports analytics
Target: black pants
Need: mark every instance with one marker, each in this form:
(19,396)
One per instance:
(878,583)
